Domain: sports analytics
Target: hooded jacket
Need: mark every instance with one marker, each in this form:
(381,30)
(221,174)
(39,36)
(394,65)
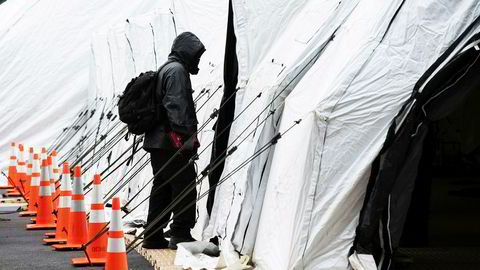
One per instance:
(173,84)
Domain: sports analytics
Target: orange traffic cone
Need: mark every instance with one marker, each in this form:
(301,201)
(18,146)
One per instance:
(20,179)
(65,202)
(56,173)
(43,156)
(44,211)
(29,171)
(34,188)
(97,250)
(52,182)
(116,253)
(77,233)
(12,170)
(22,169)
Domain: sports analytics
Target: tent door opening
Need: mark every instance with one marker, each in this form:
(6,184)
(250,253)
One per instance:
(442,229)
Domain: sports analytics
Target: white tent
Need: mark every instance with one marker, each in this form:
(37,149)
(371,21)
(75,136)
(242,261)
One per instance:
(345,68)
(305,197)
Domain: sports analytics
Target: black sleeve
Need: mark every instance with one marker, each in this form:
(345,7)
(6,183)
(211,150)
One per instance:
(178,102)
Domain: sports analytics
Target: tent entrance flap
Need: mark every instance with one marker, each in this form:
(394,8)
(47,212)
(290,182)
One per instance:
(425,162)
(227,111)
(443,214)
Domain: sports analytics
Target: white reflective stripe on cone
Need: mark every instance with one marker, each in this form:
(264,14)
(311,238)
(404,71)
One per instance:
(44,175)
(29,171)
(97,196)
(54,163)
(45,191)
(50,172)
(65,202)
(77,206)
(66,184)
(77,186)
(116,245)
(35,181)
(97,216)
(13,162)
(13,151)
(116,223)
(63,185)
(36,166)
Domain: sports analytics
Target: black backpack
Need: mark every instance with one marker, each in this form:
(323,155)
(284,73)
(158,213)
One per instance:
(137,106)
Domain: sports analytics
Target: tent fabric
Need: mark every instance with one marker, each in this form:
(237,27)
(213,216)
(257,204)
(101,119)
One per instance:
(277,70)
(390,195)
(83,55)
(337,97)
(226,110)
(362,113)
(247,225)
(45,74)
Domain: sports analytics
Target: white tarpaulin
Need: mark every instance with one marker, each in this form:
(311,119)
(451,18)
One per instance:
(45,63)
(347,100)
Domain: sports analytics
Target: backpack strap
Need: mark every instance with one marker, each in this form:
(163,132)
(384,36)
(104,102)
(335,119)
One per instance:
(154,92)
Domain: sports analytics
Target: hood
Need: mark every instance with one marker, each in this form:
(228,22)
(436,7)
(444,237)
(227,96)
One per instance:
(188,49)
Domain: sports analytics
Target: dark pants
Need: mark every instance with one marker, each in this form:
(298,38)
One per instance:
(169,193)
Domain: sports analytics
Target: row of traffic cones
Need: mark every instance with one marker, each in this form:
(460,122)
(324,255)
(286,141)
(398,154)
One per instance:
(20,171)
(63,209)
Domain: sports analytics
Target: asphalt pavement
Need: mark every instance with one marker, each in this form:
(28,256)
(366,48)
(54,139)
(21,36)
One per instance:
(22,249)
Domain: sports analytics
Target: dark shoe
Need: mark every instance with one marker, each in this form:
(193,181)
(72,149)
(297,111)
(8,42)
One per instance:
(157,244)
(174,240)
(214,241)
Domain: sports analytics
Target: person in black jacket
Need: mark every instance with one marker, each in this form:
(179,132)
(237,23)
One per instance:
(176,132)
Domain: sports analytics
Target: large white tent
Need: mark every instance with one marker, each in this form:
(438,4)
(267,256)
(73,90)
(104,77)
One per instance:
(344,68)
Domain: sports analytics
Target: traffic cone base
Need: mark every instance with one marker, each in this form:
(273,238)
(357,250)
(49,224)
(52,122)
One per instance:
(85,261)
(7,187)
(49,226)
(13,194)
(35,219)
(28,213)
(67,246)
(50,234)
(55,240)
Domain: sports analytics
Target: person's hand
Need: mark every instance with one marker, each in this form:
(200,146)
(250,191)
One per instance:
(177,139)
